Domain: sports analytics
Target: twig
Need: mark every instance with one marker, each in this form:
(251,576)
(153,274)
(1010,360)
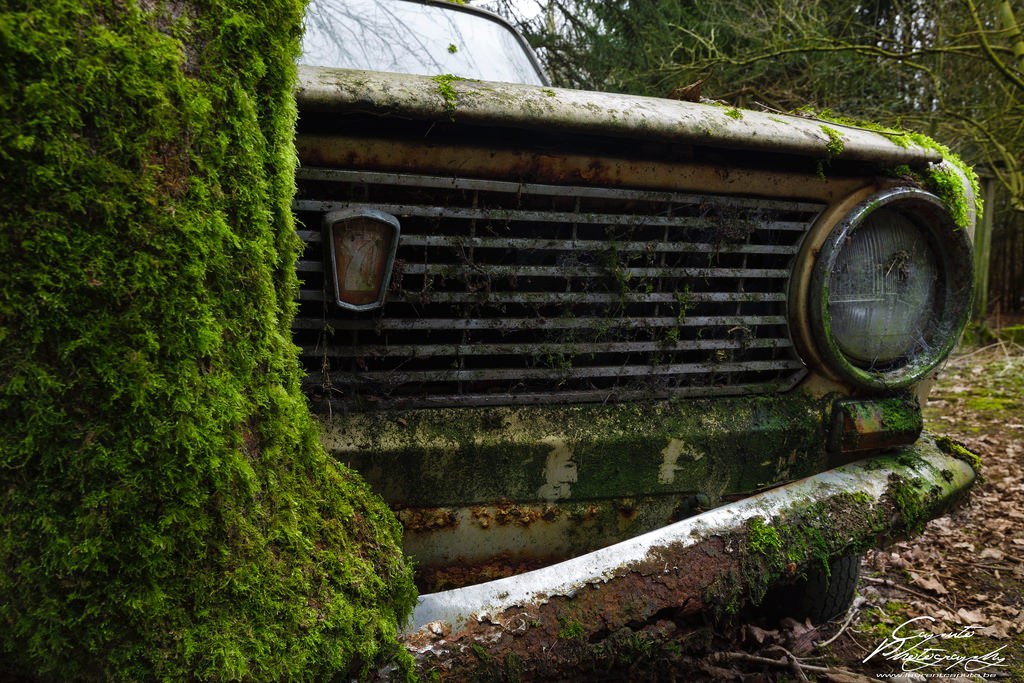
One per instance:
(856,642)
(849,618)
(955,360)
(797,668)
(889,584)
(782,662)
(978,565)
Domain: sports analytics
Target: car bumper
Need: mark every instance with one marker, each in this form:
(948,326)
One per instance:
(716,561)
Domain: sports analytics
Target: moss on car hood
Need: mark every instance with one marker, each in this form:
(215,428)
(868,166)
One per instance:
(553,109)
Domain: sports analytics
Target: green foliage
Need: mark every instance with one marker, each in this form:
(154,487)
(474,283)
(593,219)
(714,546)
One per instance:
(570,629)
(448,92)
(834,146)
(166,509)
(911,64)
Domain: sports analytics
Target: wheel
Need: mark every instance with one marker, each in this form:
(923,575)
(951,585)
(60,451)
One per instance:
(822,596)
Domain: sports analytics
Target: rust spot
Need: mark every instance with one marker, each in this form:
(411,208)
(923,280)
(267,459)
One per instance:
(511,514)
(482,516)
(462,573)
(587,514)
(672,580)
(521,515)
(427,519)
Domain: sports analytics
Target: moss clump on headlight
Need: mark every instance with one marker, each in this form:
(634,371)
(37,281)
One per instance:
(945,183)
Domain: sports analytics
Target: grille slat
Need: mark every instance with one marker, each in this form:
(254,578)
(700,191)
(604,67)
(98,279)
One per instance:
(430,351)
(507,324)
(440,212)
(405,377)
(517,293)
(581,192)
(561,272)
(581,245)
(457,270)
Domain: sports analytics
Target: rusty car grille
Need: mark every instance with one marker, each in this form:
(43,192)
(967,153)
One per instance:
(505,293)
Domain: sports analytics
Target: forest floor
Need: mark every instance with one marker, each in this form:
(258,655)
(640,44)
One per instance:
(963,577)
(946,605)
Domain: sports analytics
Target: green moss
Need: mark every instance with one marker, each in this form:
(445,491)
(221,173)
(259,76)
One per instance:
(762,538)
(947,185)
(796,538)
(912,500)
(734,113)
(448,92)
(944,182)
(994,404)
(167,510)
(959,451)
(1013,334)
(570,629)
(902,415)
(835,145)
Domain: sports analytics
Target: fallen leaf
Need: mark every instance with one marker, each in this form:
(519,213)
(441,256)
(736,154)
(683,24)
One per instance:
(758,635)
(969,616)
(998,628)
(991,554)
(930,583)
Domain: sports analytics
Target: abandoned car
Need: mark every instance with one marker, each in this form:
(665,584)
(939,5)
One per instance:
(581,338)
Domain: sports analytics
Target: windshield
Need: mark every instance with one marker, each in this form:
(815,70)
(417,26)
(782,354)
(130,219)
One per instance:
(416,38)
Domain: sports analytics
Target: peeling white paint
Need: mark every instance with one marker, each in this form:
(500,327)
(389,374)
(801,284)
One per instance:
(560,471)
(670,460)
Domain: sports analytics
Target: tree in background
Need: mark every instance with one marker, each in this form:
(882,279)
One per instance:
(953,69)
(166,509)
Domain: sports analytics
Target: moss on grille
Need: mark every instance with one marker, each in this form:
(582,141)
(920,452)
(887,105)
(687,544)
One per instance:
(166,509)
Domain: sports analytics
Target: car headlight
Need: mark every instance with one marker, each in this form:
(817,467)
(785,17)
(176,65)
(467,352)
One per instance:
(891,289)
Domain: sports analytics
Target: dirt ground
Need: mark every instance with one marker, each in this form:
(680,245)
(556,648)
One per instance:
(947,605)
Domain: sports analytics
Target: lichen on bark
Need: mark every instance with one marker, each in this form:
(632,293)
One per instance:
(166,508)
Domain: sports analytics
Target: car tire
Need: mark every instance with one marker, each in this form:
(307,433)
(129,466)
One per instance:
(823,595)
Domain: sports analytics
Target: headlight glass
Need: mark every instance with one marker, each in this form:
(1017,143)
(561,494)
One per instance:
(883,290)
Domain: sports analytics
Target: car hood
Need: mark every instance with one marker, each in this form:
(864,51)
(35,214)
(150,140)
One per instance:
(446,98)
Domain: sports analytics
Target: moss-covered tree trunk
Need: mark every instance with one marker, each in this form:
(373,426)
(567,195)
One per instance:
(166,510)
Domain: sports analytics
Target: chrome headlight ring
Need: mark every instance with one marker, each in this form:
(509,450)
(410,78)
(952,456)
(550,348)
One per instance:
(891,289)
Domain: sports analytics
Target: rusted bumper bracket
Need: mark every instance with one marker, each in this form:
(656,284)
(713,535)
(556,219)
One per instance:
(715,561)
